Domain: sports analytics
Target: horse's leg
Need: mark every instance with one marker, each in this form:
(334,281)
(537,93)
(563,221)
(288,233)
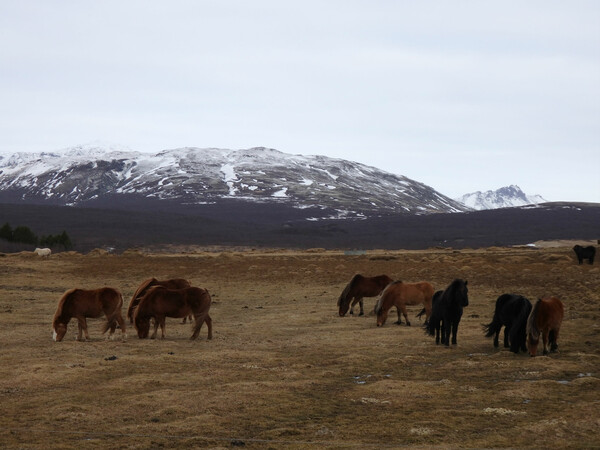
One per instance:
(437,333)
(199,320)
(545,340)
(79,329)
(361,304)
(122,326)
(161,322)
(155,328)
(553,340)
(454,332)
(85,330)
(208,321)
(405,315)
(447,330)
(506,333)
(354,302)
(399,311)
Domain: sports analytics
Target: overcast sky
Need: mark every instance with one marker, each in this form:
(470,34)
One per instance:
(460,95)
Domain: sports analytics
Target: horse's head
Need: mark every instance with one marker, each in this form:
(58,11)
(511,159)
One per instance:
(58,331)
(465,294)
(142,325)
(381,317)
(344,306)
(533,340)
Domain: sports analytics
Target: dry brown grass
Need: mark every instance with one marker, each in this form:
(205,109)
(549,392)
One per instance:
(283,370)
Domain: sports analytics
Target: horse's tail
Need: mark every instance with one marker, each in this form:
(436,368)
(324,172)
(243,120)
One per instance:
(421,313)
(494,326)
(532,329)
(347,289)
(111,320)
(436,313)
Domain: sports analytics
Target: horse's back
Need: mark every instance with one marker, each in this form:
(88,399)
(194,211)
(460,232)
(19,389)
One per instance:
(548,312)
(90,302)
(555,307)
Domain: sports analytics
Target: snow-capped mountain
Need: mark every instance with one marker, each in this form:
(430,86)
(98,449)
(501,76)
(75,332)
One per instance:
(505,197)
(80,175)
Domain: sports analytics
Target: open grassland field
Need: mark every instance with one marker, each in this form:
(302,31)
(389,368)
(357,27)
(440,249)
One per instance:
(284,370)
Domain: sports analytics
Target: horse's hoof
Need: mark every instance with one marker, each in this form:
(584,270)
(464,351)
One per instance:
(398,322)
(362,314)
(351,313)
(408,324)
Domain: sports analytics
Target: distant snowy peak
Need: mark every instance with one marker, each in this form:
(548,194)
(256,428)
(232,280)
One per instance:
(505,197)
(86,174)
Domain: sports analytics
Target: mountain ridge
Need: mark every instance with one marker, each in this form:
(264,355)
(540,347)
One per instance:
(504,197)
(340,188)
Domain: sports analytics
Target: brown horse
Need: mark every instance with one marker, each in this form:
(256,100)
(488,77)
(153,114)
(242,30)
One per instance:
(358,288)
(80,303)
(545,319)
(160,302)
(400,294)
(173,283)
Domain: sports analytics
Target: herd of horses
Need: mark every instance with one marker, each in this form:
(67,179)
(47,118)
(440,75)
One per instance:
(153,300)
(523,324)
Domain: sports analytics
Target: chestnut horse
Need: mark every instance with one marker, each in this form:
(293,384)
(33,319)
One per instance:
(358,288)
(80,303)
(545,319)
(400,294)
(160,302)
(174,283)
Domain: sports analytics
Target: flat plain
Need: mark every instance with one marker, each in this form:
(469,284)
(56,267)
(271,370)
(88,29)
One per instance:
(283,369)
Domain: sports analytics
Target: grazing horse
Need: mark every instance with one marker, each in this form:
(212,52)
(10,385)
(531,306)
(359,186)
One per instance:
(174,283)
(80,303)
(358,288)
(545,319)
(448,311)
(400,294)
(511,313)
(160,302)
(582,253)
(43,252)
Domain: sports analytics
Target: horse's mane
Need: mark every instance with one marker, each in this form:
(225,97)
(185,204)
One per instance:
(61,304)
(347,289)
(143,287)
(379,303)
(532,328)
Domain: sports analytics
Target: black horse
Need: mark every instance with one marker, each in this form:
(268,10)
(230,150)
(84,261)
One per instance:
(511,313)
(447,312)
(585,253)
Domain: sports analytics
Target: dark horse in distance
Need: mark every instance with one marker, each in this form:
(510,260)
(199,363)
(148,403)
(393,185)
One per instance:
(582,253)
(511,313)
(447,311)
(359,287)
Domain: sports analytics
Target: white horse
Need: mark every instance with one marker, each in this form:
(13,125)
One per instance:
(43,252)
